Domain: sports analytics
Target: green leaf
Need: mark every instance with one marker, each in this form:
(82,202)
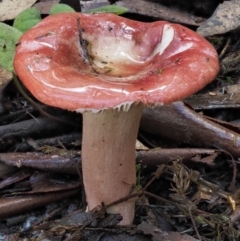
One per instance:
(27,19)
(108,9)
(9,37)
(61,8)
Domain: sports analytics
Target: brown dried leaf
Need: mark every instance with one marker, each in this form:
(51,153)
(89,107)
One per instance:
(159,235)
(159,11)
(5,76)
(45,6)
(225,18)
(10,9)
(227,97)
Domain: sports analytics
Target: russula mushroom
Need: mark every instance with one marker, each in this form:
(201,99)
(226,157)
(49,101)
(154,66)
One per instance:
(120,66)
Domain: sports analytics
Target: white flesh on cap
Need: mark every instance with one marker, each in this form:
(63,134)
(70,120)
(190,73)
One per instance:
(167,37)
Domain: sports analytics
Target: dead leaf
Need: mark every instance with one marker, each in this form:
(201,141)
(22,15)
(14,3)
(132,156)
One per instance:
(140,146)
(156,10)
(227,97)
(10,9)
(225,18)
(5,77)
(159,235)
(44,7)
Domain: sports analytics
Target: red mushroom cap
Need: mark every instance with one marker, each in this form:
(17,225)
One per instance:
(129,61)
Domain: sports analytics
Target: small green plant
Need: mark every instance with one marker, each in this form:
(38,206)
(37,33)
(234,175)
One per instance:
(27,19)
(109,9)
(61,8)
(9,37)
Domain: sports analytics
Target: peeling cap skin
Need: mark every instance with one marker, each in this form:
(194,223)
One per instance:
(128,61)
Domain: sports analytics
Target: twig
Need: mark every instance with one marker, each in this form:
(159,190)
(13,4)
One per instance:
(136,194)
(157,174)
(224,50)
(194,225)
(71,154)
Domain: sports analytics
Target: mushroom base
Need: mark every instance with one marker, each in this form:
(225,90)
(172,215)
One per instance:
(108,158)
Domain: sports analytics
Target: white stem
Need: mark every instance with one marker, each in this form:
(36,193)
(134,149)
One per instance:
(108,158)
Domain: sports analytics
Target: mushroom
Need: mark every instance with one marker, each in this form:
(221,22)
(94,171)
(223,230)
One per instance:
(108,68)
